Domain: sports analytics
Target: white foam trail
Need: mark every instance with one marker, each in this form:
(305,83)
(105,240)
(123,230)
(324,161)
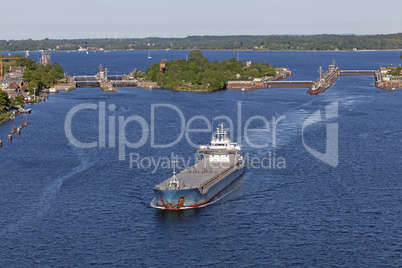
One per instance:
(287,130)
(39,208)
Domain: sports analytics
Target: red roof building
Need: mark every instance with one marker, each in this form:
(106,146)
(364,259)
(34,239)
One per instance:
(14,86)
(162,66)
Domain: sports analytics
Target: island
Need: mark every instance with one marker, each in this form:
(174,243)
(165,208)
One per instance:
(197,73)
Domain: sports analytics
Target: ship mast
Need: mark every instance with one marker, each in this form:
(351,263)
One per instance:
(320,71)
(174,182)
(220,134)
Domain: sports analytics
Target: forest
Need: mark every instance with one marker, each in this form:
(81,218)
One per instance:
(234,42)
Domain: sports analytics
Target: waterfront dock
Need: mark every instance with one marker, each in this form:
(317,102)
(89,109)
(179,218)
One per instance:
(66,87)
(319,86)
(380,79)
(385,82)
(252,85)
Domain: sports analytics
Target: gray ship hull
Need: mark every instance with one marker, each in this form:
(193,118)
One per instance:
(169,199)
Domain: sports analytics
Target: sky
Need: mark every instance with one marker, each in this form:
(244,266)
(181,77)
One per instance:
(70,19)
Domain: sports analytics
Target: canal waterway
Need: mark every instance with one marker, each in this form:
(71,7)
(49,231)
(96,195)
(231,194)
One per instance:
(65,205)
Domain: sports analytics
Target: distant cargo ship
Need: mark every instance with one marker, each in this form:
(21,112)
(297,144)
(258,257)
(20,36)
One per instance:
(218,165)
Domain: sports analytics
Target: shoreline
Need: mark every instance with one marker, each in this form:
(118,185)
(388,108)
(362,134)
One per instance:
(240,50)
(3,121)
(195,90)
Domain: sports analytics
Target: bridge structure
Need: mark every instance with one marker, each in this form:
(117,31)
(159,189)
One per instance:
(357,72)
(107,83)
(282,84)
(95,81)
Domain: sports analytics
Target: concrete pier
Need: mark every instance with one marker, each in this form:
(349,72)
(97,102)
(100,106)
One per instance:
(385,83)
(107,86)
(274,81)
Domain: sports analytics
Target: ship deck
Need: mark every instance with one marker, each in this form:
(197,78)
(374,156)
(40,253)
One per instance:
(196,175)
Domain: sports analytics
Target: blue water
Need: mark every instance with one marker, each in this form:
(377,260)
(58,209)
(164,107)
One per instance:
(62,205)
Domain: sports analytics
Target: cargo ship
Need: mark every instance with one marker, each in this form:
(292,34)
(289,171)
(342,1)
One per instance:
(217,166)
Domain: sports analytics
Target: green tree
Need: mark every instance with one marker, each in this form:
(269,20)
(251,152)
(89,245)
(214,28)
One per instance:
(138,74)
(161,79)
(19,100)
(31,86)
(43,76)
(396,71)
(195,54)
(28,63)
(254,72)
(4,100)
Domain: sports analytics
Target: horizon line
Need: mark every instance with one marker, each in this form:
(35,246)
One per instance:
(164,37)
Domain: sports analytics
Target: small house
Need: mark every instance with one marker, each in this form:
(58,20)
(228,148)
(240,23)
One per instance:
(14,86)
(15,72)
(162,65)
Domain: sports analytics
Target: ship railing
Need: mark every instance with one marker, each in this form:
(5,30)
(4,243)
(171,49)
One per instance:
(219,175)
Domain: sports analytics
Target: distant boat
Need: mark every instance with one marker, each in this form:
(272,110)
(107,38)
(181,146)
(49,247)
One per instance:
(53,90)
(149,55)
(87,52)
